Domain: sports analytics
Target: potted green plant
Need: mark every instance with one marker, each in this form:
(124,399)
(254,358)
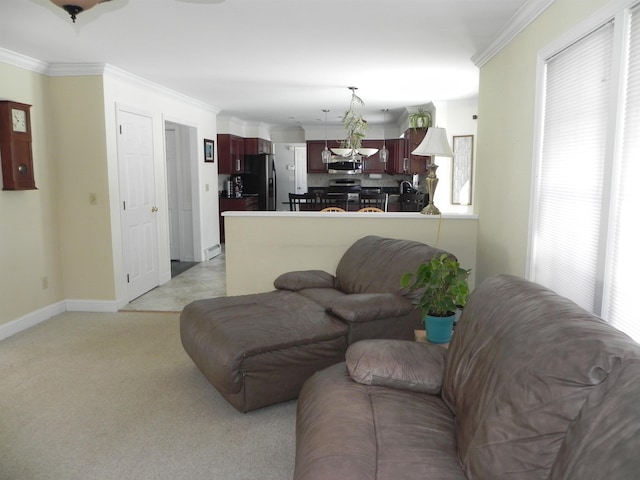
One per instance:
(444,289)
(420,119)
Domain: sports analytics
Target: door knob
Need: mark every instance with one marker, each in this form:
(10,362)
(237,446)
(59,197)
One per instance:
(154,209)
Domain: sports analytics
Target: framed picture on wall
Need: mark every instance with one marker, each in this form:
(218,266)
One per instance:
(208,150)
(462,168)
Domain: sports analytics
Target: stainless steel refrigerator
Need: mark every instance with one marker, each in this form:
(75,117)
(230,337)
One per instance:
(259,179)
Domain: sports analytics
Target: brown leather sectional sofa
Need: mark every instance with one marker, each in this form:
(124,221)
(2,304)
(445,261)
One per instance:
(531,387)
(259,349)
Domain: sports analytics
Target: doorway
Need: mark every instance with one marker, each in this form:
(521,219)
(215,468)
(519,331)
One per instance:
(179,145)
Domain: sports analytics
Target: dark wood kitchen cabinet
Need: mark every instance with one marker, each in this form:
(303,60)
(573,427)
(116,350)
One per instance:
(413,137)
(314,155)
(257,146)
(372,164)
(230,154)
(401,148)
(396,155)
(235,205)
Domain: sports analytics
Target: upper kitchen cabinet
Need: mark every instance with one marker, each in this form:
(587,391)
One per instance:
(396,163)
(314,155)
(257,146)
(373,164)
(230,153)
(413,137)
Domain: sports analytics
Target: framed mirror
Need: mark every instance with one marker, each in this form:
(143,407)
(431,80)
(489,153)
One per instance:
(462,169)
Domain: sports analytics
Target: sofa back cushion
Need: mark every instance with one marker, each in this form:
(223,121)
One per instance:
(376,265)
(520,367)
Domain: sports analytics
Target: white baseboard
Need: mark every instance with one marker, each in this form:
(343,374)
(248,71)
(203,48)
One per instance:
(102,306)
(31,319)
(34,318)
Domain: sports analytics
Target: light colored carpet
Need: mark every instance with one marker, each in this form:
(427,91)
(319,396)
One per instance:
(114,396)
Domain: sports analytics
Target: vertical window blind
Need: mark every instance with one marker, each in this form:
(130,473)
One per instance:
(570,177)
(584,243)
(622,276)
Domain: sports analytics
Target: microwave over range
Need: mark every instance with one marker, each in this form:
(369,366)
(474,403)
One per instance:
(345,167)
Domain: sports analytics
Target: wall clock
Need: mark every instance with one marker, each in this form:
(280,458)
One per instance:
(15,146)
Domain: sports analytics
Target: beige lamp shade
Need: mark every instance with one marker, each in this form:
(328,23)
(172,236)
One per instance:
(435,143)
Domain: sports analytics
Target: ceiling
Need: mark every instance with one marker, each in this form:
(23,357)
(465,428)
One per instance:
(277,62)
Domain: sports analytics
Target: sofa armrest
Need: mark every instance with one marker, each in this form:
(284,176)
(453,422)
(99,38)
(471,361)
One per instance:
(302,279)
(402,364)
(365,307)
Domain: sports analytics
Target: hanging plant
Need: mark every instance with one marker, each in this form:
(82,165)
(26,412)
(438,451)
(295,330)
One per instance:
(354,123)
(420,119)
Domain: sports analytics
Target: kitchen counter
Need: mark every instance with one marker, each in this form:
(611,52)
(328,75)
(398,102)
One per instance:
(261,245)
(401,215)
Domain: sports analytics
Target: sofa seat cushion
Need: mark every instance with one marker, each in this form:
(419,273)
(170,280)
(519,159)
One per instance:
(323,297)
(259,349)
(364,307)
(348,430)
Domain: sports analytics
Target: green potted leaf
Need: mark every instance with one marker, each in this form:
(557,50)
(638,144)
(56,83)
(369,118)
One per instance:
(420,119)
(444,289)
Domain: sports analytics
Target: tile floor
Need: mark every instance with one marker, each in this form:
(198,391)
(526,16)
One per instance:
(204,280)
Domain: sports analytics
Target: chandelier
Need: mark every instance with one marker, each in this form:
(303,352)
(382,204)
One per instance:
(74,7)
(356,127)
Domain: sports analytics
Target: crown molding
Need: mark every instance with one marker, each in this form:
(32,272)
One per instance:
(76,69)
(94,69)
(22,61)
(531,10)
(115,72)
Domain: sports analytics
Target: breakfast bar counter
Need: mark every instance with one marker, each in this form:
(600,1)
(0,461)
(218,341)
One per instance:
(261,245)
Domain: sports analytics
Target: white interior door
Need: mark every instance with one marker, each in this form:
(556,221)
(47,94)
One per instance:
(138,197)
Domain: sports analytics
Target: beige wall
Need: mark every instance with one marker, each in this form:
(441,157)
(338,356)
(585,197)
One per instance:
(80,150)
(506,136)
(29,234)
(262,245)
(57,250)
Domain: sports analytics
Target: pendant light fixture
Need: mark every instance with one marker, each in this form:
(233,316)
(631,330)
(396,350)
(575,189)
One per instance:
(356,126)
(74,7)
(384,153)
(326,153)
